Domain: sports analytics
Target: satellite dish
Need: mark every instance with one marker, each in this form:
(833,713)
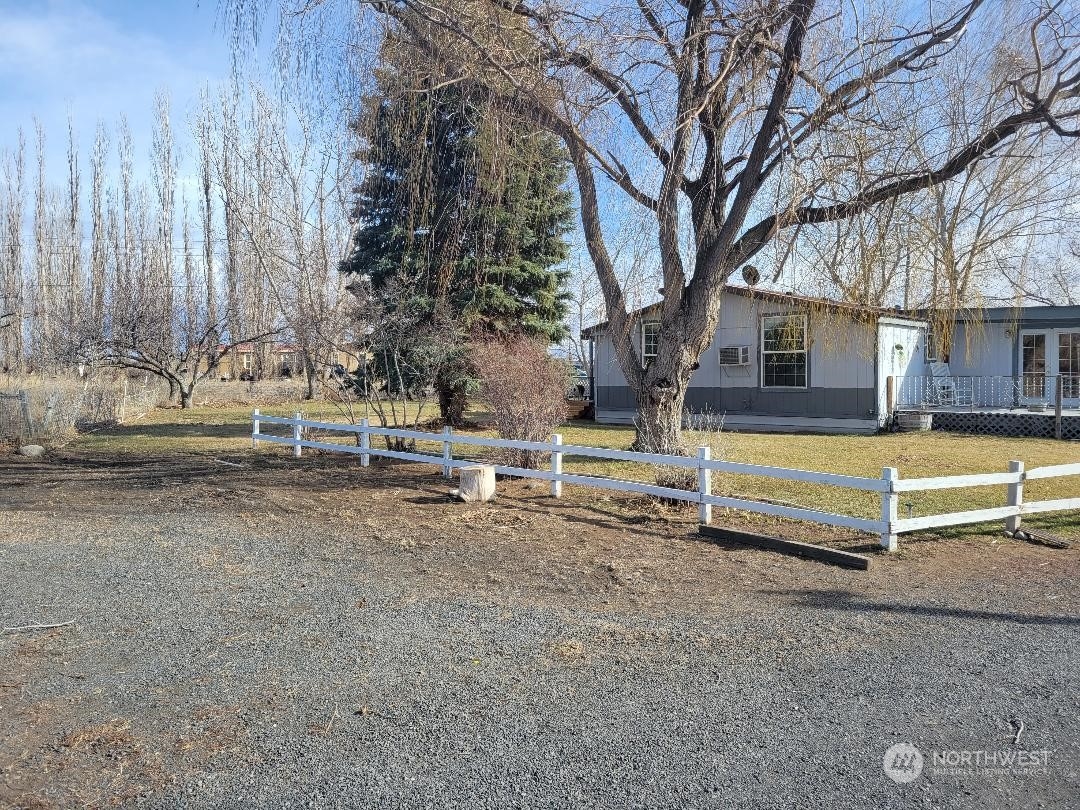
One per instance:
(751,275)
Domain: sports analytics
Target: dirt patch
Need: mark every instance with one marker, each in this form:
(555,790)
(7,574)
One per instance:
(585,548)
(263,603)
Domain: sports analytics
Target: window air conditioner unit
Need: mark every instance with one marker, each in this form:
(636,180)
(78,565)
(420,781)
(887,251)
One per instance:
(735,355)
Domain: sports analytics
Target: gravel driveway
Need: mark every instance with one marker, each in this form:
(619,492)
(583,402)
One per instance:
(302,635)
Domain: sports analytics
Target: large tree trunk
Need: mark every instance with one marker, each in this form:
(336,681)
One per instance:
(660,408)
(310,375)
(452,401)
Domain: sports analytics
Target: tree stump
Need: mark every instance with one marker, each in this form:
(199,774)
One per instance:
(477,483)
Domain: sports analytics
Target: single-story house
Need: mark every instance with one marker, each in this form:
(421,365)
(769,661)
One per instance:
(779,362)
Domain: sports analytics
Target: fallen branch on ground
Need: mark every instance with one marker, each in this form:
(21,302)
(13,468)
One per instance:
(37,626)
(229,463)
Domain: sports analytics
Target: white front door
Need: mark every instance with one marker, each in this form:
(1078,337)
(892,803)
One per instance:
(901,355)
(1044,357)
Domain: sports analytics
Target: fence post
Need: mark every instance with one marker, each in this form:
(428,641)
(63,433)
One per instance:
(365,443)
(704,481)
(889,503)
(447,450)
(28,420)
(255,429)
(1016,496)
(1059,392)
(297,434)
(556,465)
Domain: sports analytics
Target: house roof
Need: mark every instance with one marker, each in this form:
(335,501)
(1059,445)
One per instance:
(1022,314)
(788,298)
(250,347)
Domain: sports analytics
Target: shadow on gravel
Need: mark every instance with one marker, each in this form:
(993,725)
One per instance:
(845,600)
(608,520)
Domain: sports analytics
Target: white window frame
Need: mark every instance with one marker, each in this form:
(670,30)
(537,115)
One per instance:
(645,358)
(805,351)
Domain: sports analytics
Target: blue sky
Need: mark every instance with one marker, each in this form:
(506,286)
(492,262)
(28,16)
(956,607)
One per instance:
(98,60)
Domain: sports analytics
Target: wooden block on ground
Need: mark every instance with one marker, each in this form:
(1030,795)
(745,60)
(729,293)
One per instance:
(829,555)
(477,483)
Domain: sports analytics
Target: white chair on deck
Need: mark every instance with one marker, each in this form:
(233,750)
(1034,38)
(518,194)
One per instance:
(947,389)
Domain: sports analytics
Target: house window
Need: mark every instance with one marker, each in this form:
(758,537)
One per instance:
(1069,363)
(783,351)
(246,360)
(1033,364)
(650,340)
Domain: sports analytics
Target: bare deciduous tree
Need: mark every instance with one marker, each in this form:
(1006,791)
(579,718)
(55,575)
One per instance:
(12,269)
(750,117)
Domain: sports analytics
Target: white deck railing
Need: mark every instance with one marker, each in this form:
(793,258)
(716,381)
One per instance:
(889,486)
(975,392)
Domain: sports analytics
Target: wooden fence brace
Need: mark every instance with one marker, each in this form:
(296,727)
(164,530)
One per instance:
(447,450)
(556,465)
(890,502)
(1016,496)
(297,435)
(365,443)
(1059,392)
(704,481)
(255,429)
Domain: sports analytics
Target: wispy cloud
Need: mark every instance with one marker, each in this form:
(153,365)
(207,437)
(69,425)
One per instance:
(100,63)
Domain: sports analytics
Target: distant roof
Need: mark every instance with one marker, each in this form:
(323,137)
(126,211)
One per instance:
(1018,313)
(250,347)
(788,297)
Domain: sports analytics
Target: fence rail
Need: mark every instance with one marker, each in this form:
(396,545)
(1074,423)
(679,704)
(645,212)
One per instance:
(889,486)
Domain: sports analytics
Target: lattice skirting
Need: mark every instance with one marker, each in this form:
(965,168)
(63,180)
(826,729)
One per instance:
(1007,424)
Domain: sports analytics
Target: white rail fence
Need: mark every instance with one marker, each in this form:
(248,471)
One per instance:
(889,486)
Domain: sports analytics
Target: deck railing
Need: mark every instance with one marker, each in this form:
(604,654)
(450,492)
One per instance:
(888,486)
(1025,391)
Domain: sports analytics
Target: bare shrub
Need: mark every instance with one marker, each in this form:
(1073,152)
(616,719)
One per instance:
(524,387)
(262,392)
(709,432)
(59,407)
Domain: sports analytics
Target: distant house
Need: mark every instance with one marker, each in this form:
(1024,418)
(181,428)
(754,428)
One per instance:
(779,362)
(284,361)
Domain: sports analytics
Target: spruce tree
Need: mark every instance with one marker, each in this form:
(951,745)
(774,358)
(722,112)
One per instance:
(464,206)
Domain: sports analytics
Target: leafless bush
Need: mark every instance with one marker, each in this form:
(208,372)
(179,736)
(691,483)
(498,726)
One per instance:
(525,389)
(263,392)
(59,407)
(709,430)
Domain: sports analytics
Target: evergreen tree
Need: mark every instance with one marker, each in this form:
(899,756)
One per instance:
(464,206)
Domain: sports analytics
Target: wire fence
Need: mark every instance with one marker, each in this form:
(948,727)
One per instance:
(55,408)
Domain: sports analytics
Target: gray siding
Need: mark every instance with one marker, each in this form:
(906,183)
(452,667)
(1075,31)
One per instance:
(855,403)
(840,367)
(983,350)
